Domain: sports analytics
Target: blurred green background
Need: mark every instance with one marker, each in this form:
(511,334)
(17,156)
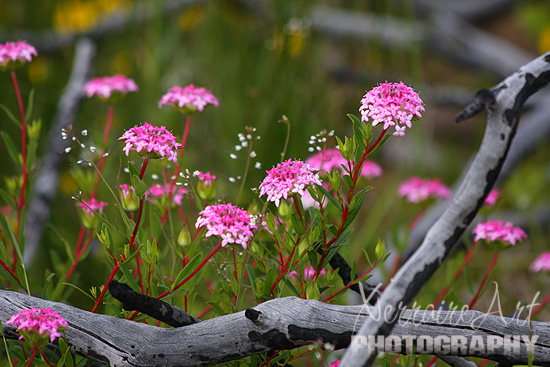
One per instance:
(263,60)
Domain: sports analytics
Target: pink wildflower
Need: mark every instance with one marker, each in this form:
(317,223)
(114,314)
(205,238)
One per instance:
(393,104)
(189,99)
(416,189)
(231,223)
(206,177)
(499,231)
(491,199)
(160,190)
(19,51)
(156,141)
(92,205)
(128,197)
(103,87)
(541,263)
(309,272)
(44,321)
(206,188)
(286,179)
(335,364)
(330,159)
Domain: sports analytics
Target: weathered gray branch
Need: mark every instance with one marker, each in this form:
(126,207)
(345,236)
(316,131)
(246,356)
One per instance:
(283,323)
(45,186)
(503,103)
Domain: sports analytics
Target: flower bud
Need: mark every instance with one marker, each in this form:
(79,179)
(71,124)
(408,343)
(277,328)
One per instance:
(184,238)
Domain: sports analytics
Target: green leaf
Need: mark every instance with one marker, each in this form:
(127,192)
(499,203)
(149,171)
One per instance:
(139,186)
(7,198)
(11,116)
(133,169)
(81,291)
(348,180)
(129,226)
(330,197)
(7,230)
(129,278)
(30,104)
(192,265)
(11,148)
(6,275)
(379,145)
(297,223)
(68,248)
(357,134)
(356,205)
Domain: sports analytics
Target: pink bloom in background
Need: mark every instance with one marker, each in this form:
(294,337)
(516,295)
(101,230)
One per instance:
(331,159)
(103,87)
(160,190)
(231,223)
(16,51)
(499,231)
(416,189)
(287,178)
(335,364)
(156,141)
(491,199)
(92,205)
(309,272)
(206,177)
(44,321)
(541,263)
(393,104)
(190,99)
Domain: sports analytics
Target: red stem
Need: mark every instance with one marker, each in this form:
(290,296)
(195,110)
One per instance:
(345,209)
(214,250)
(351,283)
(542,304)
(101,163)
(204,312)
(489,269)
(21,204)
(100,298)
(33,355)
(79,253)
(177,171)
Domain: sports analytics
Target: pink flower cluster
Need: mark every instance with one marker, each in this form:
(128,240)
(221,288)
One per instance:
(416,189)
(331,159)
(335,364)
(287,178)
(190,99)
(103,87)
(499,231)
(16,51)
(92,205)
(231,223)
(393,104)
(160,190)
(156,141)
(44,321)
(541,263)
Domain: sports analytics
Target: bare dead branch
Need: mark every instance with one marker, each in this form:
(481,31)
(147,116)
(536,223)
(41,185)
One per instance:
(45,187)
(502,120)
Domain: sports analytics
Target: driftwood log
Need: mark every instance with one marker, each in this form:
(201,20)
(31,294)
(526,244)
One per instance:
(283,323)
